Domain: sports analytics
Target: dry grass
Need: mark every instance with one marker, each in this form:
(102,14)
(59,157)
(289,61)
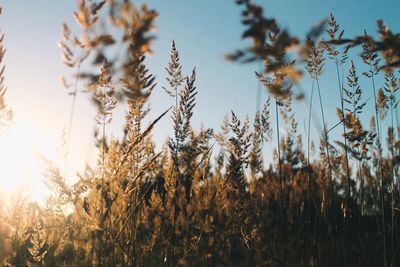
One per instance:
(140,207)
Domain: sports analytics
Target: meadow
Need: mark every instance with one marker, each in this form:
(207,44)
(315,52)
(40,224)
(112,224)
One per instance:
(209,197)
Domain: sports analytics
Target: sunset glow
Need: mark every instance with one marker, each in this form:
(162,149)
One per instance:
(24,150)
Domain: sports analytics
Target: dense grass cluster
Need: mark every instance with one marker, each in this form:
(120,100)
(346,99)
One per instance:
(207,199)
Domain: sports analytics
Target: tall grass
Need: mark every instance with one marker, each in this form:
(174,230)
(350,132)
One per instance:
(142,207)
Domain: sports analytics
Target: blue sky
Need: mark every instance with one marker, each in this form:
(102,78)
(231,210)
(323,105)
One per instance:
(203,30)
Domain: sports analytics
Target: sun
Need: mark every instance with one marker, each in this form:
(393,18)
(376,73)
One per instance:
(23,148)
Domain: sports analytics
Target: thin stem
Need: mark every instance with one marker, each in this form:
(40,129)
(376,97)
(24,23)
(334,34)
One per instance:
(258,99)
(72,112)
(326,139)
(282,209)
(344,132)
(177,181)
(392,167)
(380,166)
(309,139)
(103,123)
(348,195)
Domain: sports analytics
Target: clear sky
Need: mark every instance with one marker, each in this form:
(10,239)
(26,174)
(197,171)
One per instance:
(203,30)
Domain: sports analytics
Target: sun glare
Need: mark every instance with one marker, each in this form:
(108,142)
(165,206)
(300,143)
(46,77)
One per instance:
(23,148)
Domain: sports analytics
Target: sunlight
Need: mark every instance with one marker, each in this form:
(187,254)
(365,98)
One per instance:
(23,148)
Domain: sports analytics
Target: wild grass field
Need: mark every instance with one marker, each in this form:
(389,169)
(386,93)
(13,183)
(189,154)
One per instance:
(209,197)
